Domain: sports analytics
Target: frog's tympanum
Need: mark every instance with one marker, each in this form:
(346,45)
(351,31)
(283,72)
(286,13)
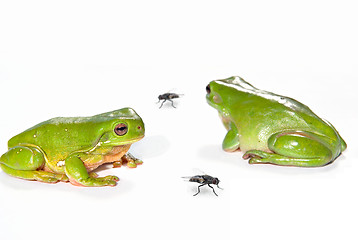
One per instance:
(271,128)
(68,149)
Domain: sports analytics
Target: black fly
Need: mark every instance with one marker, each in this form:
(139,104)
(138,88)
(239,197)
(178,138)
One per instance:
(169,97)
(204,180)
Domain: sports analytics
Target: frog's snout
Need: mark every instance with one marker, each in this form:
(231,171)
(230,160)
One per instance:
(140,129)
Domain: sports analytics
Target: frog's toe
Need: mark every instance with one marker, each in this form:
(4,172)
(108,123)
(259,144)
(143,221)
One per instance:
(107,181)
(138,162)
(64,178)
(111,183)
(117,164)
(93,175)
(255,154)
(131,164)
(48,180)
(112,178)
(255,160)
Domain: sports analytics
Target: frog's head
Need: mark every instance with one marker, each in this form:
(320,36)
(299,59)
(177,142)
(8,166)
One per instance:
(220,93)
(120,127)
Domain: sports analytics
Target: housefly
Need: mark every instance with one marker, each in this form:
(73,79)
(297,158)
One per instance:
(204,180)
(169,97)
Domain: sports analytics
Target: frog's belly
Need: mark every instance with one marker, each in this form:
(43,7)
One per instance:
(253,143)
(255,139)
(114,155)
(91,162)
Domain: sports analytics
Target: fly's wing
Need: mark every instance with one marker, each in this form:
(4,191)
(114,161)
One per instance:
(173,91)
(199,176)
(186,178)
(198,171)
(175,95)
(196,178)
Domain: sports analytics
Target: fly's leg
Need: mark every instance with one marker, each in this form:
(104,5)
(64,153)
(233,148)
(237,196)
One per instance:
(198,189)
(212,189)
(172,103)
(162,103)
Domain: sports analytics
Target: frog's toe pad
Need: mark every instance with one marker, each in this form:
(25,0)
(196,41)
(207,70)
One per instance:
(48,179)
(255,160)
(131,165)
(117,164)
(111,178)
(138,162)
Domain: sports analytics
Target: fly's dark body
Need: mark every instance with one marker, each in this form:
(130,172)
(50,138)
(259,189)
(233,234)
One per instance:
(169,97)
(205,180)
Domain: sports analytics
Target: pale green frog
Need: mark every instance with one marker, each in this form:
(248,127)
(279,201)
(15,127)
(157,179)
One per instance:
(270,128)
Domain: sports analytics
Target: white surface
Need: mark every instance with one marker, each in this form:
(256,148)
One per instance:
(78,58)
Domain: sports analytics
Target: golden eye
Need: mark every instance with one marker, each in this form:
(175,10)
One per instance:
(121,129)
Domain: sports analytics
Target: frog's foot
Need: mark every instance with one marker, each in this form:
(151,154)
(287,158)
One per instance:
(95,182)
(47,177)
(78,175)
(256,156)
(303,149)
(131,161)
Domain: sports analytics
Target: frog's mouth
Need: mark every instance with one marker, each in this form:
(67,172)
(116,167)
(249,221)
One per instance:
(210,101)
(134,140)
(111,143)
(130,141)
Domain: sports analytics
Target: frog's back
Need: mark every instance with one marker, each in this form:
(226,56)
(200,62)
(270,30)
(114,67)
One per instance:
(59,131)
(71,132)
(268,113)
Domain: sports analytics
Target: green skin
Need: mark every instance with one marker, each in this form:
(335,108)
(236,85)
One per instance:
(68,149)
(271,128)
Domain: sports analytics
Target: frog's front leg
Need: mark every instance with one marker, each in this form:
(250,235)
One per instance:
(231,140)
(78,175)
(302,149)
(130,161)
(26,162)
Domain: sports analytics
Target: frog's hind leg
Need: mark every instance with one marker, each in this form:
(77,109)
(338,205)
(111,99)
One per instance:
(293,149)
(25,162)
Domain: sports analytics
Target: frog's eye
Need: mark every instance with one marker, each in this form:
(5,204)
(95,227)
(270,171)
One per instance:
(121,129)
(208,89)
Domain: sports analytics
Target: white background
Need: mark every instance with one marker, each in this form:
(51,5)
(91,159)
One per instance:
(80,58)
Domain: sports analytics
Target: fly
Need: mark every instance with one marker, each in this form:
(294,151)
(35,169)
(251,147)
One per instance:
(169,97)
(204,180)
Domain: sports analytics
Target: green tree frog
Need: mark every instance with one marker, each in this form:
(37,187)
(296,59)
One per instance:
(68,149)
(270,128)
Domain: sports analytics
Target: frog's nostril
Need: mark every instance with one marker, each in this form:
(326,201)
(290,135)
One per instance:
(139,127)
